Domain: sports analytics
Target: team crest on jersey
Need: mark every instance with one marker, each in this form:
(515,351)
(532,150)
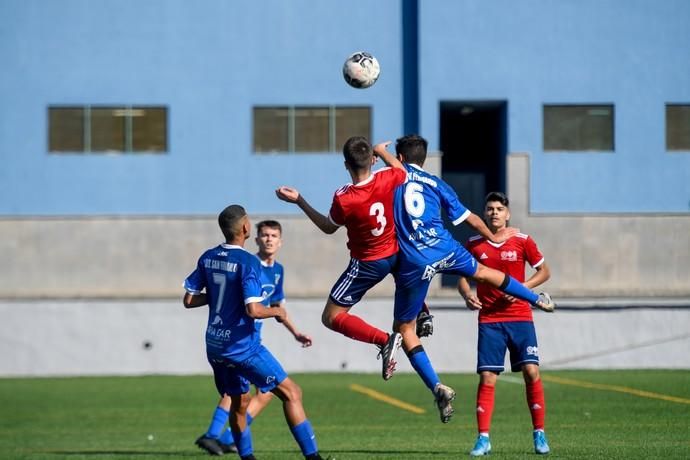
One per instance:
(510,256)
(267,290)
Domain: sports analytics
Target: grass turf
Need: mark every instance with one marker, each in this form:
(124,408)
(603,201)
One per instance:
(590,414)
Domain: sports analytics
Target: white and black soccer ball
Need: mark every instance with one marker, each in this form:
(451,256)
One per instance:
(361,70)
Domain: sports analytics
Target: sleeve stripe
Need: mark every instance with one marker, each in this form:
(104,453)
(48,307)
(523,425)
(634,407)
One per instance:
(334,222)
(538,263)
(462,218)
(249,300)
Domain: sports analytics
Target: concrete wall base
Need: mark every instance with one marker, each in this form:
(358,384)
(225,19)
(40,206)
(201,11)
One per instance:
(69,338)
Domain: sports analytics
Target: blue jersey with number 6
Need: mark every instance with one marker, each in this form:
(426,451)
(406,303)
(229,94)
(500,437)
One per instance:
(418,202)
(231,277)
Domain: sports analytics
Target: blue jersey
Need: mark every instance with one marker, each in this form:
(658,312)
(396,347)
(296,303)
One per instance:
(418,203)
(231,277)
(271,286)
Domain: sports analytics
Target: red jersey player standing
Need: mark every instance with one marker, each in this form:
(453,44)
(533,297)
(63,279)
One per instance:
(506,322)
(365,208)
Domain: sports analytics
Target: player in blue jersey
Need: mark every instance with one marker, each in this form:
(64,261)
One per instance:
(215,440)
(427,247)
(227,279)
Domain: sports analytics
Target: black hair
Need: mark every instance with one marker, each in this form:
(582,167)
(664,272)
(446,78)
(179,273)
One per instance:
(413,147)
(497,196)
(358,153)
(274,224)
(230,221)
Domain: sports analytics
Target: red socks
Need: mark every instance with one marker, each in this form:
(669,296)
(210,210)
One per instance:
(536,404)
(356,328)
(485,407)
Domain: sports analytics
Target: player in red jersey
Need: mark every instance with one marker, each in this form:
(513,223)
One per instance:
(365,208)
(505,322)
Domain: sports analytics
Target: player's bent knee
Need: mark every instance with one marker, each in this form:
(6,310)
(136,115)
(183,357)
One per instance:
(326,320)
(530,373)
(288,390)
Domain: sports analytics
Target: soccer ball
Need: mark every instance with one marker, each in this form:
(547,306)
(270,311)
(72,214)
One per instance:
(361,70)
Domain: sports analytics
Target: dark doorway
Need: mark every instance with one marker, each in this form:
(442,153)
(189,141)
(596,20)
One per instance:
(474,144)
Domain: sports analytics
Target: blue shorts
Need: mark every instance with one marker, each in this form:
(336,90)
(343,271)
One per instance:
(261,369)
(519,337)
(412,279)
(358,278)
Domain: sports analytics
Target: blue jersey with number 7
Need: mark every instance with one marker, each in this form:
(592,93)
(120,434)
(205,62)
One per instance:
(231,277)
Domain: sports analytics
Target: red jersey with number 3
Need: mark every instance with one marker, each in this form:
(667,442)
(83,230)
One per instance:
(508,257)
(366,210)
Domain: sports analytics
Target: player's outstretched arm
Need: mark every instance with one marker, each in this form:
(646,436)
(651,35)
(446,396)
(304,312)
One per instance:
(304,339)
(292,195)
(478,224)
(471,300)
(194,300)
(387,157)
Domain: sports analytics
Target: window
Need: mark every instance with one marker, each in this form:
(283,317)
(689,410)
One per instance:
(104,129)
(578,128)
(677,127)
(308,129)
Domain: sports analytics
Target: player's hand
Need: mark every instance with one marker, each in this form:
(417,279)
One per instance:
(472,302)
(305,340)
(289,194)
(380,149)
(505,234)
(509,298)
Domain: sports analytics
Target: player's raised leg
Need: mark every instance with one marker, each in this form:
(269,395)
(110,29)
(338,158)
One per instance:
(511,286)
(355,281)
(409,298)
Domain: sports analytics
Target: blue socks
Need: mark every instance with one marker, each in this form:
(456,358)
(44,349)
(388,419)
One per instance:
(421,363)
(516,289)
(226,437)
(220,418)
(243,441)
(304,435)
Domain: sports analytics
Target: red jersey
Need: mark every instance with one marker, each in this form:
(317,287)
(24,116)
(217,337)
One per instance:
(508,257)
(366,210)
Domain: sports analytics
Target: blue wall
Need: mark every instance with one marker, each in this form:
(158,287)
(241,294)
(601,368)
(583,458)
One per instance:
(634,54)
(210,62)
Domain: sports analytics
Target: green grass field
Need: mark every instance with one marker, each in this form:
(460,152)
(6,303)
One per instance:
(590,414)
